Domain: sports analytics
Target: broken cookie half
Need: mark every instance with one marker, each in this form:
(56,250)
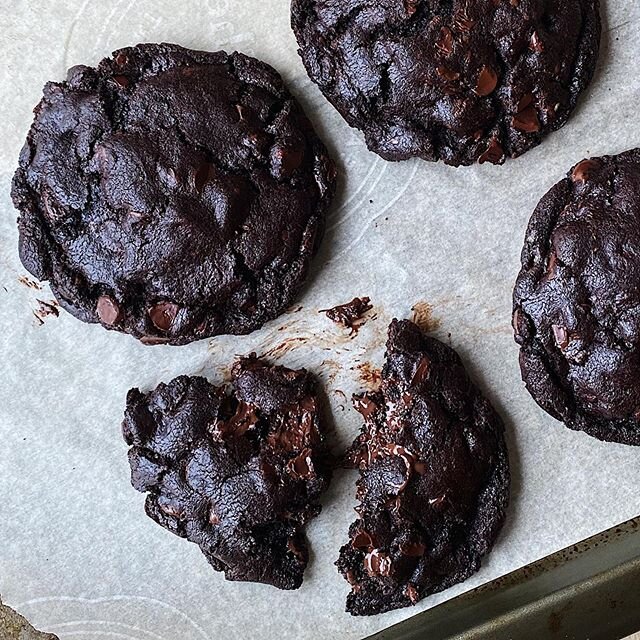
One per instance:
(434,478)
(237,471)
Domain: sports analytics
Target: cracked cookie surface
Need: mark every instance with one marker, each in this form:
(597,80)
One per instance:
(450,80)
(238,473)
(172,194)
(576,301)
(434,478)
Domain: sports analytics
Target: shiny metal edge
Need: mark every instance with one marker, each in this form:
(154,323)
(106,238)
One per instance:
(588,591)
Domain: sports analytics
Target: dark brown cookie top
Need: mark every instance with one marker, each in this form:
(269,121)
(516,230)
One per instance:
(238,472)
(577,299)
(172,194)
(453,80)
(434,478)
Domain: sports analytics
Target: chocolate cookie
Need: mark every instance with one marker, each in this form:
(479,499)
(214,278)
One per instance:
(577,300)
(172,194)
(237,473)
(459,81)
(434,478)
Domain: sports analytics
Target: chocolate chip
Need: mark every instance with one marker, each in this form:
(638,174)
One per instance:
(121,59)
(350,314)
(122,81)
(422,371)
(411,6)
(536,43)
(487,81)
(171,511)
(363,540)
(521,325)
(364,405)
(445,41)
(447,74)
(301,466)
(377,563)
(237,425)
(494,153)
(412,593)
(108,310)
(214,518)
(561,336)
(163,314)
(462,23)
(436,502)
(351,578)
(527,117)
(583,170)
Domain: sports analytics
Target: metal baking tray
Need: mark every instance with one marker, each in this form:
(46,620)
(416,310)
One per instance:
(589,591)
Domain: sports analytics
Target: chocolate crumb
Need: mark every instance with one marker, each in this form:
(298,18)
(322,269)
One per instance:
(349,315)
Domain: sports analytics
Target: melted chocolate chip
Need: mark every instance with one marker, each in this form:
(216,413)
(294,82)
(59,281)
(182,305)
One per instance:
(377,563)
(536,43)
(447,74)
(350,314)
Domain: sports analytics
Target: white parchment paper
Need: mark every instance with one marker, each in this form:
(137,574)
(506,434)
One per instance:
(77,554)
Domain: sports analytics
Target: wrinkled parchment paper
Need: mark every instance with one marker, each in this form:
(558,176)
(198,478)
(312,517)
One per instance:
(77,554)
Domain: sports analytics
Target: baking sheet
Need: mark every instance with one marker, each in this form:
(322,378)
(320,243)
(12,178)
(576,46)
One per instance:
(78,556)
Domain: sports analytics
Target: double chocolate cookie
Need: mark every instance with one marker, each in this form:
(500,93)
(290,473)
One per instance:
(237,473)
(577,300)
(434,478)
(172,194)
(453,80)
